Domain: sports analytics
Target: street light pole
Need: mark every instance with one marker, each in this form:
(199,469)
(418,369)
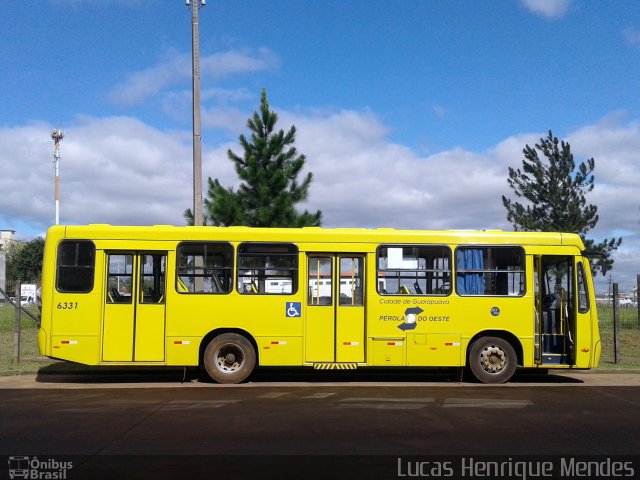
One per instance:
(57,136)
(197,130)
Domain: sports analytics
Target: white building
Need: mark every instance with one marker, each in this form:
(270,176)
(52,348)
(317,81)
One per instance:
(6,237)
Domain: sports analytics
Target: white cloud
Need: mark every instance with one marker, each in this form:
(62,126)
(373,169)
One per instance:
(113,170)
(550,9)
(120,170)
(218,108)
(363,180)
(230,119)
(176,69)
(632,37)
(439,111)
(615,146)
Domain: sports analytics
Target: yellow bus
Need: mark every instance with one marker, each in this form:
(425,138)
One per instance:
(230,299)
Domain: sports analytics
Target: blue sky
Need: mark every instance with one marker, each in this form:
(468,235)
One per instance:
(393,101)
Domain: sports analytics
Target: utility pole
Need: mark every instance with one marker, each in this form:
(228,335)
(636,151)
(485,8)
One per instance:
(638,297)
(616,325)
(57,136)
(197,130)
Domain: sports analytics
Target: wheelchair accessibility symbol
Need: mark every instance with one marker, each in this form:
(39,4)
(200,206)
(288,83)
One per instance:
(294,309)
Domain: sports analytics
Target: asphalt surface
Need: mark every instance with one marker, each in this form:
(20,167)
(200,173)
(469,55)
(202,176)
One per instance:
(305,425)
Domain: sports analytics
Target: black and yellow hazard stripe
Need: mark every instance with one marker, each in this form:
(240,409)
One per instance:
(335,366)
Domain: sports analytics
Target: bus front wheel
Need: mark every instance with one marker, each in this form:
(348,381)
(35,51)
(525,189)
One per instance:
(229,358)
(492,360)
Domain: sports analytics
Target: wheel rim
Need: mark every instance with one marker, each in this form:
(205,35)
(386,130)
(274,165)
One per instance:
(229,358)
(493,359)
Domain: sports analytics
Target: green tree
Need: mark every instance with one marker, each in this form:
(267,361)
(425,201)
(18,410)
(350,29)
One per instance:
(269,189)
(555,193)
(24,260)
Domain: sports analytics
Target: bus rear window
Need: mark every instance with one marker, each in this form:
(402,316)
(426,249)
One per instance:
(76,265)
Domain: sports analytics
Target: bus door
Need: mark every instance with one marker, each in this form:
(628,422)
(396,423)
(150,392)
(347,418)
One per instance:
(134,307)
(335,310)
(555,310)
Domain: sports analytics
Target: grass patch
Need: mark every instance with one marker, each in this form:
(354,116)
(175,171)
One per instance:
(629,338)
(30,359)
(628,318)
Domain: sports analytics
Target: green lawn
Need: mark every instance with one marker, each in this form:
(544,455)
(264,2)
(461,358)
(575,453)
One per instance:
(30,359)
(628,317)
(629,337)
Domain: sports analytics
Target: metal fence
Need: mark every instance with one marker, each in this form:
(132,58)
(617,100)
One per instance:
(19,318)
(619,331)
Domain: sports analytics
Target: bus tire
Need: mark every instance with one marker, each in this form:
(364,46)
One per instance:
(229,358)
(492,360)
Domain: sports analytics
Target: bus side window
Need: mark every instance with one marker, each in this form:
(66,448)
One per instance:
(424,268)
(490,270)
(583,293)
(119,278)
(152,277)
(267,268)
(204,267)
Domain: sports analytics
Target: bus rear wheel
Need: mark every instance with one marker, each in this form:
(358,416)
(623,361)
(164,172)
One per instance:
(492,360)
(229,358)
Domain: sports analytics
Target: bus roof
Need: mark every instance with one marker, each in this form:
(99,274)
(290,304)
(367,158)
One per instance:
(310,234)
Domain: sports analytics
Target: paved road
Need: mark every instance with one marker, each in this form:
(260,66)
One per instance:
(121,425)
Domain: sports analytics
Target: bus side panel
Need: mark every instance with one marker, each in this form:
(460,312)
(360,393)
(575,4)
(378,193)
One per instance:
(76,348)
(76,327)
(263,317)
(433,340)
(286,351)
(182,350)
(386,352)
(433,349)
(510,317)
(76,321)
(445,325)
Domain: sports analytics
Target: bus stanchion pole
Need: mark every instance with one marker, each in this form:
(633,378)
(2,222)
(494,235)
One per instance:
(16,325)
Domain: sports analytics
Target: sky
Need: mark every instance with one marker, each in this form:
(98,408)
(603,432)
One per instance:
(409,113)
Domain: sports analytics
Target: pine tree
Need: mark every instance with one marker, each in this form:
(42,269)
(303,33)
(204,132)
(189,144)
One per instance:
(555,191)
(269,188)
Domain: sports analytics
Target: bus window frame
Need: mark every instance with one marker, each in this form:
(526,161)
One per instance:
(415,245)
(581,279)
(468,246)
(158,297)
(92,266)
(200,243)
(295,278)
(118,298)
